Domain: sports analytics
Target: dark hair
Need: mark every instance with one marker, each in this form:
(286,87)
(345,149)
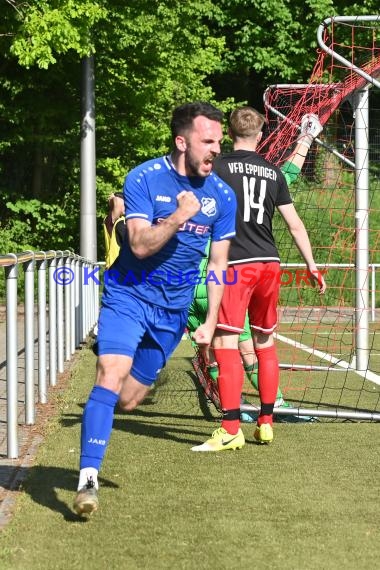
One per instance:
(183,116)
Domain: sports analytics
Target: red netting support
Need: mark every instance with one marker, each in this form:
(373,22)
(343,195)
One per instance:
(316,337)
(330,84)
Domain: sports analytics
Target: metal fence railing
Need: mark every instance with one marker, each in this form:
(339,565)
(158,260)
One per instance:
(59,309)
(60,297)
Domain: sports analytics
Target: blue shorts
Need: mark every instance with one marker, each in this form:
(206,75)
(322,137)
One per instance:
(148,334)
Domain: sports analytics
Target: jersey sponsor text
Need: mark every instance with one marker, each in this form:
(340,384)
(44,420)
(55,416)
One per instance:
(190,227)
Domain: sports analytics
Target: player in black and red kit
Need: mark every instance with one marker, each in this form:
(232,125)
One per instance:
(254,277)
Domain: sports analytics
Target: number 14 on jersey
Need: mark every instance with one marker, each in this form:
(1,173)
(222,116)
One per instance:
(249,184)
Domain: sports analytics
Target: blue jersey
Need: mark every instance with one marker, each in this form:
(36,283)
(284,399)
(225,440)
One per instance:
(167,278)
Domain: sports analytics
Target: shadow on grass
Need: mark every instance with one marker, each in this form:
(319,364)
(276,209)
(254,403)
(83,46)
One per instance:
(203,401)
(138,423)
(42,484)
(143,421)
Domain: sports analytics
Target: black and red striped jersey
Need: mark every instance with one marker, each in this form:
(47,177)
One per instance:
(259,187)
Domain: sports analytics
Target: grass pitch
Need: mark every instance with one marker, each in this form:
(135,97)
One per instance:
(310,500)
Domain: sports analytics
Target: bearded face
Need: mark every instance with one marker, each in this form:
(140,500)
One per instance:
(200,146)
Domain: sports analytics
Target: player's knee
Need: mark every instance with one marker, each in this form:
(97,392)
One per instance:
(224,339)
(128,405)
(263,340)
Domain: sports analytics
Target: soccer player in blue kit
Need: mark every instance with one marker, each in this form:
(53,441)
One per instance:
(174,205)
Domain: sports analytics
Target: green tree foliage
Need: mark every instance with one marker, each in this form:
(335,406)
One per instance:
(49,29)
(150,55)
(272,41)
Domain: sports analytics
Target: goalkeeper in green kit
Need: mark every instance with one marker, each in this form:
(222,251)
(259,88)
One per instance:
(310,128)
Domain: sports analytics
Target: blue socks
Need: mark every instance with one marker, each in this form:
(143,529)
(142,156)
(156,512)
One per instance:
(97,426)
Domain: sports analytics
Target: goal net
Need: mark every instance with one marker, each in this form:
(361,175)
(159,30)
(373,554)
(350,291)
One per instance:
(329,347)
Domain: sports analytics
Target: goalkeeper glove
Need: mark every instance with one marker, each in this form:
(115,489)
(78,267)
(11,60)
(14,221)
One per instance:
(310,128)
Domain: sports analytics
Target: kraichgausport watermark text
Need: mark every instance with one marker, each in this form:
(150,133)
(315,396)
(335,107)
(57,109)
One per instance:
(249,276)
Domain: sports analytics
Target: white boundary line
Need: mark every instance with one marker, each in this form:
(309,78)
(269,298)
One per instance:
(367,374)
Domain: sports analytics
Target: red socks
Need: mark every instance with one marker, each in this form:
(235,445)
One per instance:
(230,384)
(269,376)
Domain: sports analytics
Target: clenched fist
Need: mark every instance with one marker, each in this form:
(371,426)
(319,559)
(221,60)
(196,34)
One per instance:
(188,205)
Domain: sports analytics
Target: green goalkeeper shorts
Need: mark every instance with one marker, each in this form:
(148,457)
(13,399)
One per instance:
(197,316)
